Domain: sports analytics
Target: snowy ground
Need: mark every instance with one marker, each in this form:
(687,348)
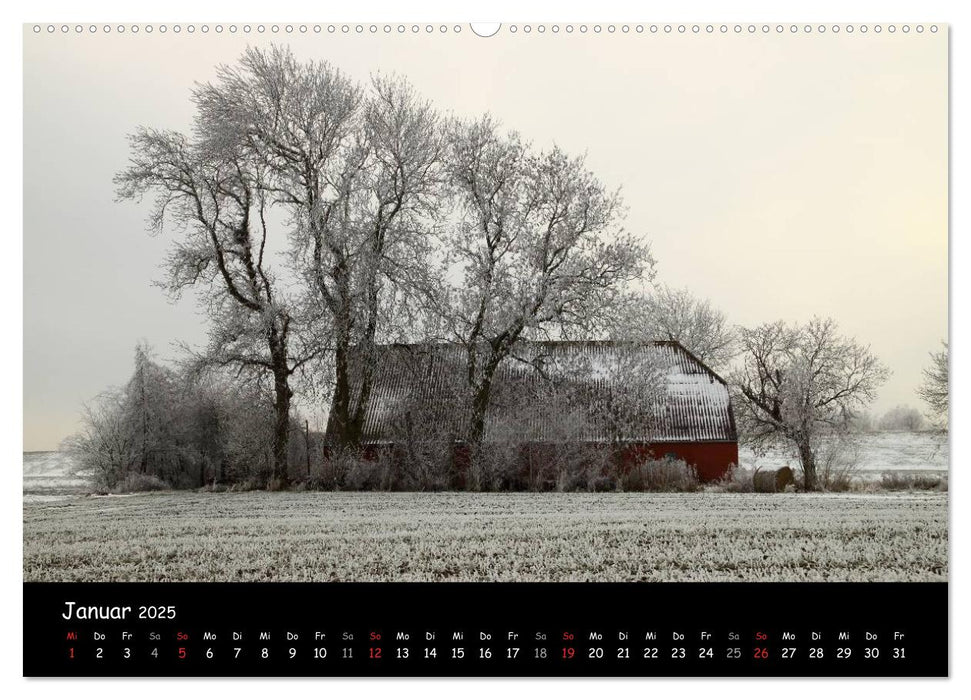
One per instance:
(289,536)
(193,536)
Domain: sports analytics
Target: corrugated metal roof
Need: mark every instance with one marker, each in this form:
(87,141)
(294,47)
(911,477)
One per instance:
(553,391)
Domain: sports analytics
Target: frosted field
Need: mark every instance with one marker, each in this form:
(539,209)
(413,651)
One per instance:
(194,536)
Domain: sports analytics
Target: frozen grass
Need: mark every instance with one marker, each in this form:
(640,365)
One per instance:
(259,536)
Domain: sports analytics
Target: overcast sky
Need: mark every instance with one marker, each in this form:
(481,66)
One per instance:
(780,176)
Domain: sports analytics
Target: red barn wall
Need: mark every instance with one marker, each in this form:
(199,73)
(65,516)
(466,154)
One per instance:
(712,460)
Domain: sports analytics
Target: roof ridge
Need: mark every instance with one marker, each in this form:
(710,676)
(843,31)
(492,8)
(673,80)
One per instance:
(572,341)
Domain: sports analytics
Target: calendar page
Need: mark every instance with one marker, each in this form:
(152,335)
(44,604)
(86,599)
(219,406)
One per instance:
(450,349)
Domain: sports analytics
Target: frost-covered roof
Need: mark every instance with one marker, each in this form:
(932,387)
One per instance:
(557,391)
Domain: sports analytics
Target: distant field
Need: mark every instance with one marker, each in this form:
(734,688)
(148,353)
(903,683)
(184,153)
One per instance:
(257,536)
(876,453)
(50,476)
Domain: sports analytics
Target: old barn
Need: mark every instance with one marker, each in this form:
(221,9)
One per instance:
(636,398)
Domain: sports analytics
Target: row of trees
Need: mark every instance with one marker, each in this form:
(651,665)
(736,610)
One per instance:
(180,429)
(317,217)
(393,220)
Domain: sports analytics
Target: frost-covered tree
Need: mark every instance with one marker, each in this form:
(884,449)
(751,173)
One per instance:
(151,400)
(535,248)
(358,170)
(213,195)
(142,431)
(797,383)
(669,313)
(934,390)
(105,448)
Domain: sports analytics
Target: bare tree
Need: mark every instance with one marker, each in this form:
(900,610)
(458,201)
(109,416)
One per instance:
(154,402)
(358,170)
(247,412)
(215,197)
(535,248)
(797,383)
(934,390)
(105,448)
(148,396)
(676,314)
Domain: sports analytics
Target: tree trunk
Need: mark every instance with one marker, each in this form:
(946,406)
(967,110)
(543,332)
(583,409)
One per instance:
(480,404)
(281,406)
(281,432)
(341,418)
(366,360)
(348,423)
(808,461)
(306,439)
(366,356)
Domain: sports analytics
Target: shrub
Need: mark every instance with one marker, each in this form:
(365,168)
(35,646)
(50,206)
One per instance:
(422,458)
(897,481)
(364,475)
(587,466)
(602,484)
(252,483)
(133,483)
(570,480)
(665,474)
(185,428)
(838,463)
(839,483)
(568,466)
(383,469)
(737,480)
(494,466)
(274,484)
(336,465)
(421,466)
(316,483)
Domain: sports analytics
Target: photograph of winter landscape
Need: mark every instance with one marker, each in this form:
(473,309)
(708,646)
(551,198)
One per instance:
(404,303)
